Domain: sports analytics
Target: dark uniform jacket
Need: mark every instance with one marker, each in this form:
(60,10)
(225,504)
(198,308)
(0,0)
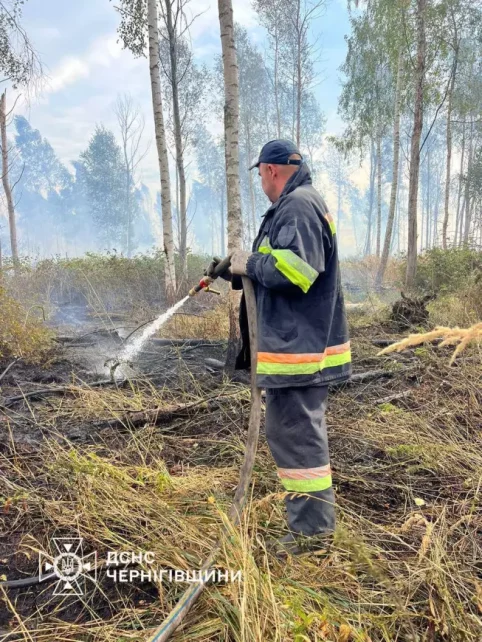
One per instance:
(302,327)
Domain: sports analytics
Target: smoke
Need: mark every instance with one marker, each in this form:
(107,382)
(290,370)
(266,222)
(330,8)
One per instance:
(154,220)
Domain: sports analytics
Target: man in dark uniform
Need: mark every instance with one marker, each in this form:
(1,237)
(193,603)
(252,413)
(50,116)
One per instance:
(303,342)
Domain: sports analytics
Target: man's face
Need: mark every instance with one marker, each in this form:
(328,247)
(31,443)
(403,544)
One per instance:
(267,180)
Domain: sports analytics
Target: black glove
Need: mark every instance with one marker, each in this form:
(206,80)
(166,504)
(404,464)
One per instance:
(226,275)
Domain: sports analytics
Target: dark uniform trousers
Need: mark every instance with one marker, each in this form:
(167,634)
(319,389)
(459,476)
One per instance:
(297,437)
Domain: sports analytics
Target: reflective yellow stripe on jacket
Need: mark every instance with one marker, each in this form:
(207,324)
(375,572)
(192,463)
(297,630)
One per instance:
(273,363)
(296,270)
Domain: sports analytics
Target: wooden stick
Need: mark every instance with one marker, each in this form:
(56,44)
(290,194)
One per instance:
(177,615)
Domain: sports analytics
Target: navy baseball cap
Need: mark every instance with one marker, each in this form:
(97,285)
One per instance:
(278,152)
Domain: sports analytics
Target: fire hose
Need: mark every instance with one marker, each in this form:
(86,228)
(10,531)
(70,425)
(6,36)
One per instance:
(177,615)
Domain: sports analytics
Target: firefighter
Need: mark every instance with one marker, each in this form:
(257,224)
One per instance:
(303,342)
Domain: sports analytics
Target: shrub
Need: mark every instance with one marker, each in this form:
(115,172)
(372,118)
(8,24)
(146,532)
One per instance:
(455,277)
(104,284)
(448,271)
(21,335)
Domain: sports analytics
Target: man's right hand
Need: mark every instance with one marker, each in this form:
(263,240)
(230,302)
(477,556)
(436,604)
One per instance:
(226,275)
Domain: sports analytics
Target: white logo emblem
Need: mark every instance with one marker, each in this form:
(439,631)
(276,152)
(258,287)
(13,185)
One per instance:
(70,566)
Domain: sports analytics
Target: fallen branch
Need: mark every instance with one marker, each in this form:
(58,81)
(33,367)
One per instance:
(10,365)
(394,397)
(157,416)
(43,392)
(362,377)
(187,342)
(106,333)
(382,343)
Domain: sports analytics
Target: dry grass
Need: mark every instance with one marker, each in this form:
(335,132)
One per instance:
(406,562)
(22,335)
(463,308)
(211,324)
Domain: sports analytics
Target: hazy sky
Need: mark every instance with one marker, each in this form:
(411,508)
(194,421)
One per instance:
(87,67)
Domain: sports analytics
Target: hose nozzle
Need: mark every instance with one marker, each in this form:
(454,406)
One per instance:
(202,285)
(207,280)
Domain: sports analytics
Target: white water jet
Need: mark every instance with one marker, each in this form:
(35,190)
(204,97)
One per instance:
(136,345)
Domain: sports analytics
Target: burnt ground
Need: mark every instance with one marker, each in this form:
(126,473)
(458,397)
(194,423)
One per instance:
(79,360)
(180,372)
(83,360)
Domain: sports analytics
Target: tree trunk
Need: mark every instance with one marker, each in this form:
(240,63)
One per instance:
(427,222)
(171,32)
(128,199)
(415,147)
(276,83)
(298,79)
(169,267)
(368,244)
(459,195)
(5,179)
(435,217)
(399,207)
(231,132)
(223,226)
(462,221)
(252,197)
(423,189)
(253,208)
(449,157)
(176,217)
(395,174)
(379,193)
(468,209)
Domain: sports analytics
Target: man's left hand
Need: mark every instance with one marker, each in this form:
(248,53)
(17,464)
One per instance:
(239,261)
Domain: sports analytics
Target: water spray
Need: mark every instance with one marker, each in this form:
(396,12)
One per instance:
(135,346)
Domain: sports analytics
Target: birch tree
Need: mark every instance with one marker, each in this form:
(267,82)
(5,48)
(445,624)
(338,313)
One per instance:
(136,16)
(20,64)
(211,165)
(184,101)
(395,175)
(293,51)
(131,125)
(301,14)
(252,126)
(153,29)
(173,14)
(419,84)
(449,138)
(271,14)
(231,139)
(6,178)
(373,69)
(231,123)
